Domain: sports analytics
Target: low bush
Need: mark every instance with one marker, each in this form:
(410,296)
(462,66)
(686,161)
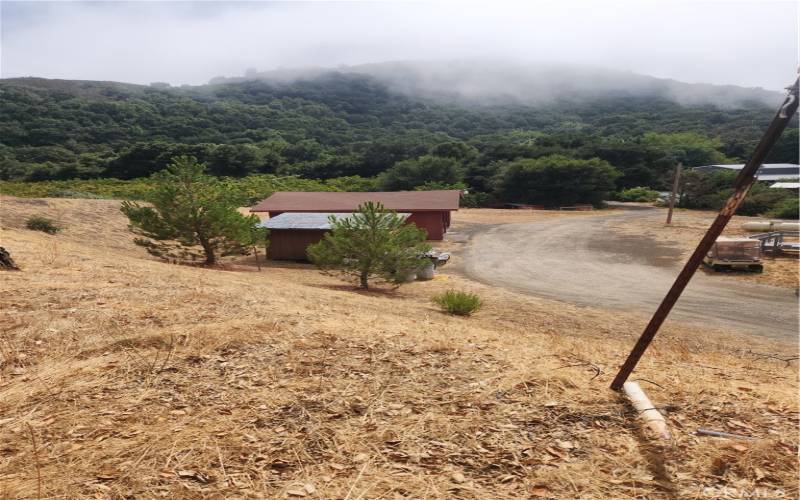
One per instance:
(38,223)
(641,194)
(787,209)
(458,303)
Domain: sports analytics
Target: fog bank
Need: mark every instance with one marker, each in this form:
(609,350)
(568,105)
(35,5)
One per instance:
(752,44)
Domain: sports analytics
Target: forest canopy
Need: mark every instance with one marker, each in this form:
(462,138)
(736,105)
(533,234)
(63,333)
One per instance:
(348,125)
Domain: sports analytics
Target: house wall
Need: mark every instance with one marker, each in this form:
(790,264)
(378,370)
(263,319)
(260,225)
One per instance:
(434,223)
(291,244)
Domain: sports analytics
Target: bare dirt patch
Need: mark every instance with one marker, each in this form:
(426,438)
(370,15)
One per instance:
(588,261)
(688,226)
(507,216)
(121,376)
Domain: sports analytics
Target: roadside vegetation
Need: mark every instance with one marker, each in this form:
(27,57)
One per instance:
(373,244)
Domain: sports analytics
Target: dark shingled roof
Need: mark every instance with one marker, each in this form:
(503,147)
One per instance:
(306,220)
(320,201)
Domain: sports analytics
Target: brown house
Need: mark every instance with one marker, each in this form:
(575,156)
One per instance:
(429,210)
(291,233)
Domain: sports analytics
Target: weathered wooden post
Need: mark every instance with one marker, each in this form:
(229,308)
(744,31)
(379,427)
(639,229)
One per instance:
(742,184)
(675,180)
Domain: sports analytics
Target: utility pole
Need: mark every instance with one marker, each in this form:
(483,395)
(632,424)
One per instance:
(675,180)
(744,181)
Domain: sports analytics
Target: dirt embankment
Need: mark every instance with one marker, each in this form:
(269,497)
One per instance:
(123,376)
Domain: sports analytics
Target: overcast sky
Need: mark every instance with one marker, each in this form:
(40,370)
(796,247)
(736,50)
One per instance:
(727,42)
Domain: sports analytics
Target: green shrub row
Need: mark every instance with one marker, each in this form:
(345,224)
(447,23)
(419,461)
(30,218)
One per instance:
(252,188)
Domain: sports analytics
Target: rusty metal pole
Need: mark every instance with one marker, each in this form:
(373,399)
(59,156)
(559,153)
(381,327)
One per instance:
(676,179)
(742,184)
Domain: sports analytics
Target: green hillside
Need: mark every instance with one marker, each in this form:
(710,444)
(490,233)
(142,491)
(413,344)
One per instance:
(346,124)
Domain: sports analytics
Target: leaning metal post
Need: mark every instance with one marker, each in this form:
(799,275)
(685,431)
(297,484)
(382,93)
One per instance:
(742,184)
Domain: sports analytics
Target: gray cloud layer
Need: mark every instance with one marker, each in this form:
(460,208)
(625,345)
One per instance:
(733,42)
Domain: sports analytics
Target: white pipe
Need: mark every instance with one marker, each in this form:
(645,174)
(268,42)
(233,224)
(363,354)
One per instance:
(772,225)
(652,418)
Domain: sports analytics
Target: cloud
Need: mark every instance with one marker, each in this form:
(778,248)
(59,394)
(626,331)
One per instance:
(743,43)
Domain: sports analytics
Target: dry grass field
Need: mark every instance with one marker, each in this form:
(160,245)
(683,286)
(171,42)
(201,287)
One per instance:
(688,226)
(123,377)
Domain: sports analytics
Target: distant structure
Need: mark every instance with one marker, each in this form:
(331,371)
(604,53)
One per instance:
(429,210)
(767,171)
(786,185)
(291,233)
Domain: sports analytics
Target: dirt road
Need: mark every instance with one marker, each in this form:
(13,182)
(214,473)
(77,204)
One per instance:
(580,260)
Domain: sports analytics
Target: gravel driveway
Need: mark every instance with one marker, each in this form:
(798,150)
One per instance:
(580,260)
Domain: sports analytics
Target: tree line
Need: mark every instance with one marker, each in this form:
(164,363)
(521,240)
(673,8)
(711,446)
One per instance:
(350,126)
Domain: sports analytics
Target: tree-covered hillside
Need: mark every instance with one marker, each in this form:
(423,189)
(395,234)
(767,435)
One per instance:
(340,124)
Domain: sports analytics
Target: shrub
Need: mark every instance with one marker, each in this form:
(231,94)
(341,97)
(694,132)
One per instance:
(38,223)
(787,209)
(458,303)
(642,194)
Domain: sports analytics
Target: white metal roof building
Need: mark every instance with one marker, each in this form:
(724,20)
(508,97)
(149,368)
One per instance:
(292,232)
(786,185)
(767,171)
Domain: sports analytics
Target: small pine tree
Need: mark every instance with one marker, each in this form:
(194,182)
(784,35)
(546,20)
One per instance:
(189,210)
(371,244)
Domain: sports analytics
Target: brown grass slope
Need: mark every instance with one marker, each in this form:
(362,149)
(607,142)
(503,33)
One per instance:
(121,376)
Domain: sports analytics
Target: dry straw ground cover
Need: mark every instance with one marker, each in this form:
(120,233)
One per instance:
(121,376)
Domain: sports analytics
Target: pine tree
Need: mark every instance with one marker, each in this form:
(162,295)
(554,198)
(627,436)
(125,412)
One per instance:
(371,244)
(193,215)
